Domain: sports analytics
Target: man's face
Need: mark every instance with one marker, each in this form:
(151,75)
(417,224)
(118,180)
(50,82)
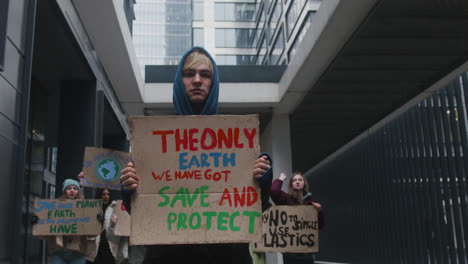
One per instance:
(197,82)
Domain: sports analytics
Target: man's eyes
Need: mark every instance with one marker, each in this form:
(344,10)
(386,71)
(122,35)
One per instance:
(188,73)
(205,74)
(192,74)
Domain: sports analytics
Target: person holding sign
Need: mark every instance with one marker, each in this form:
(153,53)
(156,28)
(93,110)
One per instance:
(195,92)
(68,249)
(104,253)
(298,194)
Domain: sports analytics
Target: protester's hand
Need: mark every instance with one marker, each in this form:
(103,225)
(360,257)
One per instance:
(34,219)
(261,166)
(283,176)
(317,205)
(80,175)
(114,218)
(129,179)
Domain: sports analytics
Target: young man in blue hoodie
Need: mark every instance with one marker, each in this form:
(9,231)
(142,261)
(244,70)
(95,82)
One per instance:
(196,92)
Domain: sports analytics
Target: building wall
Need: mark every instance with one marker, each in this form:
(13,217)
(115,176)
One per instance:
(11,90)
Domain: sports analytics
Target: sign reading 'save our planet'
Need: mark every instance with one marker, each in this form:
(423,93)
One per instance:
(196,184)
(67,217)
(101,167)
(291,229)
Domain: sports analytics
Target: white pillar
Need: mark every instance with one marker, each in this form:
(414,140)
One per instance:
(276,140)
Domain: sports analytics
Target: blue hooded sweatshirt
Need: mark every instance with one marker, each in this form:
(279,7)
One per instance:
(180,98)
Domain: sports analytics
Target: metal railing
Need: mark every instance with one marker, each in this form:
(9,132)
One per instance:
(400,194)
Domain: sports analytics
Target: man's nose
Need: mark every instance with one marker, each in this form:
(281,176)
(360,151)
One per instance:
(197,77)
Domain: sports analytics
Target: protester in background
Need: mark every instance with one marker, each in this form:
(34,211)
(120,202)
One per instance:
(104,252)
(298,194)
(68,249)
(136,254)
(195,92)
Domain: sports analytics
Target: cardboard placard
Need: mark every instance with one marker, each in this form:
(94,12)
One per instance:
(102,167)
(67,217)
(122,227)
(289,229)
(196,183)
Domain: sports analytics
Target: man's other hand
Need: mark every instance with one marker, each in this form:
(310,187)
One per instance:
(129,179)
(262,164)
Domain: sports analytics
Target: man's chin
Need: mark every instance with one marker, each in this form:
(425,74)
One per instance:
(197,99)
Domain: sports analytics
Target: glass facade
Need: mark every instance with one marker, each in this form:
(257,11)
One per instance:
(197,10)
(302,31)
(235,59)
(275,18)
(234,38)
(235,12)
(198,38)
(162,31)
(277,48)
(264,31)
(295,9)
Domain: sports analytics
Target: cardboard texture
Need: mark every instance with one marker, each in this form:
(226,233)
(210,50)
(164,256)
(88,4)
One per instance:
(289,229)
(122,227)
(67,217)
(102,167)
(182,158)
(193,224)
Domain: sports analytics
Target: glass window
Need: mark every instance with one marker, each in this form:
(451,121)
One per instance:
(235,12)
(198,39)
(275,17)
(301,33)
(234,38)
(277,48)
(295,9)
(235,59)
(267,5)
(197,6)
(162,31)
(3,29)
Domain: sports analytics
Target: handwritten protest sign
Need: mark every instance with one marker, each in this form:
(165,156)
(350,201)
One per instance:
(122,227)
(292,229)
(196,184)
(102,167)
(67,217)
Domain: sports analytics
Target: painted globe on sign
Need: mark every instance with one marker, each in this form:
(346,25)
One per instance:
(108,170)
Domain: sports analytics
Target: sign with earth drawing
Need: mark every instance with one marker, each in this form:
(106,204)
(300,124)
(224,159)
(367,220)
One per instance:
(101,167)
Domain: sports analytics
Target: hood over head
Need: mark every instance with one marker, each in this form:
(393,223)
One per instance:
(180,98)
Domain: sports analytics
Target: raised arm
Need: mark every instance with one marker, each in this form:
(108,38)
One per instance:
(277,195)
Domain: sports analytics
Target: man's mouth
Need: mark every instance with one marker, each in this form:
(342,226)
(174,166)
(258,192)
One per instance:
(197,91)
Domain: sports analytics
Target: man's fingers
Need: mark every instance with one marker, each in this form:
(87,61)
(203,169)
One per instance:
(263,166)
(129,176)
(258,172)
(128,170)
(263,159)
(130,184)
(131,187)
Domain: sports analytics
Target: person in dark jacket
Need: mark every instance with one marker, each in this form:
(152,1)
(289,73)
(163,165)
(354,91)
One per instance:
(298,194)
(195,92)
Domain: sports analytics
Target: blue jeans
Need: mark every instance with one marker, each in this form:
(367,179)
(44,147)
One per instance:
(66,256)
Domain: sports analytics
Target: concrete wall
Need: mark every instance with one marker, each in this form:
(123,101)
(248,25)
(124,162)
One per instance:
(11,90)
